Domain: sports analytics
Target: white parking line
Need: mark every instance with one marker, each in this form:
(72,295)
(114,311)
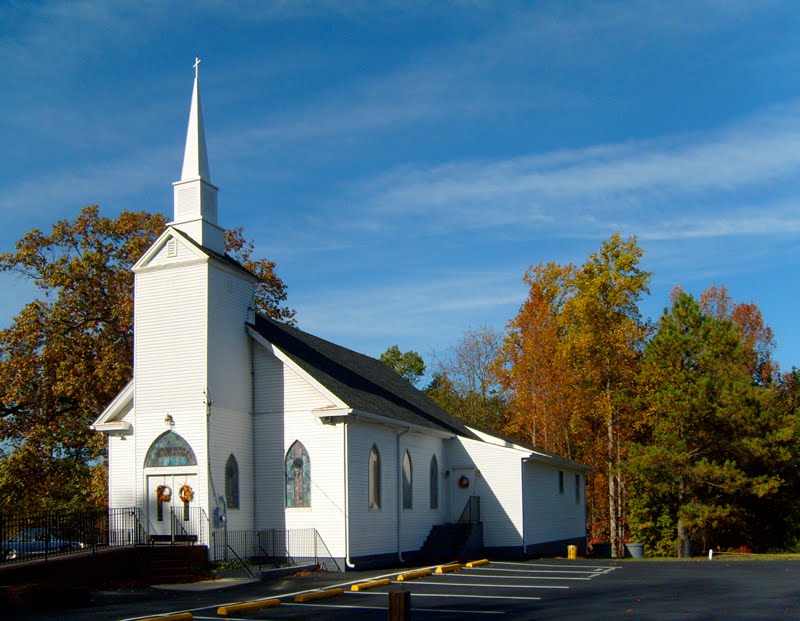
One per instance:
(561,566)
(537,577)
(464,574)
(447,595)
(437,610)
(472,585)
(520,571)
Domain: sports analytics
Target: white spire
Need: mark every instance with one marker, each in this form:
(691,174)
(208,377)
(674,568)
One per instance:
(195,157)
(195,195)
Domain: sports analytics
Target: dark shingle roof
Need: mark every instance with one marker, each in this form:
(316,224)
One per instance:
(363,383)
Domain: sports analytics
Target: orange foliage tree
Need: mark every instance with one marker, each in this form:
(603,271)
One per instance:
(69,352)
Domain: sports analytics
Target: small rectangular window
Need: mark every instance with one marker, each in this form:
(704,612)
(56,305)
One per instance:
(577,489)
(560,481)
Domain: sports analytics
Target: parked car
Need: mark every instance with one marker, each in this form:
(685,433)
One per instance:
(33,542)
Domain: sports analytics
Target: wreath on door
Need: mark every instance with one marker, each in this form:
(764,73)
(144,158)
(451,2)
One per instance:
(163,493)
(187,493)
(463,482)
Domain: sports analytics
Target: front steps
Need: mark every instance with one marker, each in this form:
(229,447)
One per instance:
(452,542)
(170,564)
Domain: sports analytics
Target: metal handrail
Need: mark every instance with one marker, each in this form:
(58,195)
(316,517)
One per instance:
(472,511)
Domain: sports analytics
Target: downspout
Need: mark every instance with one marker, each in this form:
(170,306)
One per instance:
(348,564)
(253,423)
(399,490)
(522,483)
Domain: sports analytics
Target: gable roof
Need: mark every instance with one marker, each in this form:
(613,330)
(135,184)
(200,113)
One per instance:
(198,249)
(363,383)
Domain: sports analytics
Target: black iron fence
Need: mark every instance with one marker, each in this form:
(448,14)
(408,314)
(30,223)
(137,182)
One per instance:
(55,533)
(271,547)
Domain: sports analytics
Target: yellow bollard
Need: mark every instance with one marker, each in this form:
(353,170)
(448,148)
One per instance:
(572,552)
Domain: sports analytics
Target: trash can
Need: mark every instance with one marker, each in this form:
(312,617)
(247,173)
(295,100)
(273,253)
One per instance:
(634,550)
(572,552)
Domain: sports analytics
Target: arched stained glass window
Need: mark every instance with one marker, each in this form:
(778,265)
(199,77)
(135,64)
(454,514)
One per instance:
(408,490)
(298,476)
(434,482)
(232,483)
(170,449)
(374,478)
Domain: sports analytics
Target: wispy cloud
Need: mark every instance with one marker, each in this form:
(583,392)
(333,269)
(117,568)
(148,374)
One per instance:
(635,181)
(405,308)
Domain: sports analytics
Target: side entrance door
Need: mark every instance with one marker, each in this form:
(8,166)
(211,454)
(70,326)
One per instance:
(462,486)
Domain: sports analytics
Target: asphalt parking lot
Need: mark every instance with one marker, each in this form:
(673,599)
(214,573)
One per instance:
(540,589)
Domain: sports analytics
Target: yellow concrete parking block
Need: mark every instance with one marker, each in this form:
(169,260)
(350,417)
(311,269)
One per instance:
(483,561)
(232,609)
(372,584)
(308,597)
(178,616)
(412,575)
(445,569)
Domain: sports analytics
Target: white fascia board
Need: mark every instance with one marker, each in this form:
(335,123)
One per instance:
(529,455)
(556,460)
(116,407)
(114,428)
(280,355)
(490,439)
(357,415)
(169,233)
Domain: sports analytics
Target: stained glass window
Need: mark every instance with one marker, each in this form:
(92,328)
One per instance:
(170,449)
(298,476)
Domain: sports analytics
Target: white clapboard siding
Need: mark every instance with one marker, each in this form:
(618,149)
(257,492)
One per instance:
(232,434)
(170,363)
(372,531)
(122,468)
(499,487)
(283,414)
(229,379)
(549,514)
(170,346)
(375,531)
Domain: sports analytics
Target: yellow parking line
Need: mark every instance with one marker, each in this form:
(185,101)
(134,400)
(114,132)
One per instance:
(361,586)
(230,609)
(307,597)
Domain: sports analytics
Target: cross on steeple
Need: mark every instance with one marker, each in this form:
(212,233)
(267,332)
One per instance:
(196,66)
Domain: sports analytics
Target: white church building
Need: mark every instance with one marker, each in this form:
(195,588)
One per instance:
(237,423)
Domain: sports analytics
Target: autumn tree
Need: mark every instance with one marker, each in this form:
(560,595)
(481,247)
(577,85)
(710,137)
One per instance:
(757,337)
(408,365)
(464,382)
(69,352)
(705,446)
(569,364)
(605,337)
(532,366)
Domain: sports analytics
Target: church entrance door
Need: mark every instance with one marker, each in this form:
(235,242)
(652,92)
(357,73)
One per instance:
(172,510)
(461,488)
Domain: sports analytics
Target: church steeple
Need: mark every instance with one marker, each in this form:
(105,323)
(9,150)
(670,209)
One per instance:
(195,196)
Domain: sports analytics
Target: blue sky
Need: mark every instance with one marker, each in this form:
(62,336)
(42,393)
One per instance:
(405,162)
